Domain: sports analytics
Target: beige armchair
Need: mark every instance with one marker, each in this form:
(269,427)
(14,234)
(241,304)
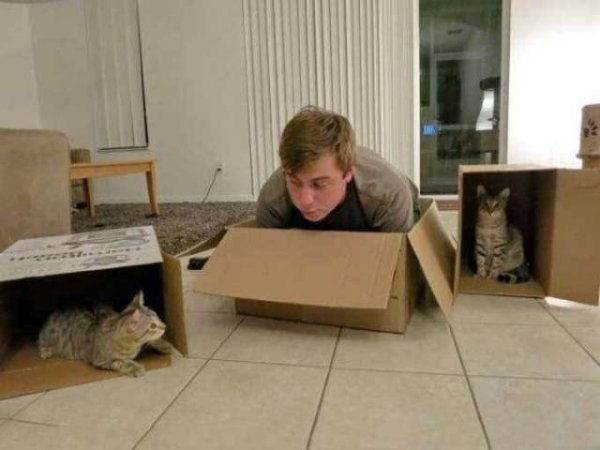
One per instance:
(35,187)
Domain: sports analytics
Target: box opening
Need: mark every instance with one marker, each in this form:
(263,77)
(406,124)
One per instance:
(31,301)
(523,211)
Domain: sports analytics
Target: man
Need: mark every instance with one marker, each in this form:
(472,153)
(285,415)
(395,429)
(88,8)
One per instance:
(326,183)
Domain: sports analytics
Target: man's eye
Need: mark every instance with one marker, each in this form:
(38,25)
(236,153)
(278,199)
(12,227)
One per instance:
(320,184)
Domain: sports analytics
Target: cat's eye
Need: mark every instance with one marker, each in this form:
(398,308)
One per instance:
(153,325)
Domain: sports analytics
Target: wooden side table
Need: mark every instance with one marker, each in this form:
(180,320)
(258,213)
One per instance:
(87,171)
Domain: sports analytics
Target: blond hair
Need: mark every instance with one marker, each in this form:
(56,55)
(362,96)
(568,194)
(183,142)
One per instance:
(314,132)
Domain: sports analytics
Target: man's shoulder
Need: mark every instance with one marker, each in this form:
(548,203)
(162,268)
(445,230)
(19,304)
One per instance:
(273,206)
(273,190)
(377,180)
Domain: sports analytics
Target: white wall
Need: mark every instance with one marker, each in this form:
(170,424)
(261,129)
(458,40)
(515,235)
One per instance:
(554,71)
(196,96)
(61,69)
(193,56)
(19,106)
(194,76)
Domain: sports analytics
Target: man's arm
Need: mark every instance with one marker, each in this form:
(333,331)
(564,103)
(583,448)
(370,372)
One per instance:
(267,216)
(270,207)
(396,214)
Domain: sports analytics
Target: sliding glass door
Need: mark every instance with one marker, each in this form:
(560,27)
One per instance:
(460,75)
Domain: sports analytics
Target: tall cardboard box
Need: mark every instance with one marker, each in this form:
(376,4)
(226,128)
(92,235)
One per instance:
(362,280)
(558,213)
(39,275)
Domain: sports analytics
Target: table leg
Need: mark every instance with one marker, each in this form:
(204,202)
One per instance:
(89,196)
(152,189)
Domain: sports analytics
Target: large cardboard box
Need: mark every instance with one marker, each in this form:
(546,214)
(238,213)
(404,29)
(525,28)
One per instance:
(39,275)
(558,213)
(362,280)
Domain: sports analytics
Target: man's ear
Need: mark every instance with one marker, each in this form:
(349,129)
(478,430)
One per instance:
(349,174)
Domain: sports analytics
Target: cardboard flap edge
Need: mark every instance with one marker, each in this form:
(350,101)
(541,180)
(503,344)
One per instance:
(436,253)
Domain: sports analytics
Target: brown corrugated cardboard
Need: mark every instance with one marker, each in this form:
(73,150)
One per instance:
(436,252)
(575,262)
(352,270)
(360,280)
(558,213)
(31,298)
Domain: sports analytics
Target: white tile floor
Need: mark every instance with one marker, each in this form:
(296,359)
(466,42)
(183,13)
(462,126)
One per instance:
(505,373)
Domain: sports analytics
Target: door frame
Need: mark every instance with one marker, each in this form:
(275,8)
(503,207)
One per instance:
(504,83)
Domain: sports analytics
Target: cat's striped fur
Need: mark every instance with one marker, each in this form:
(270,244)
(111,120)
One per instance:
(499,250)
(102,337)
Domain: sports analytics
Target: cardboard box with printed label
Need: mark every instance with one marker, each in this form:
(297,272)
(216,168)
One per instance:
(372,280)
(40,275)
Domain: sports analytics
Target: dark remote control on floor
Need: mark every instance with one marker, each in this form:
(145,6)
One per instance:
(196,263)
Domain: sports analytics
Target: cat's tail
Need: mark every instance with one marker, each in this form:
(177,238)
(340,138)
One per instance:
(519,275)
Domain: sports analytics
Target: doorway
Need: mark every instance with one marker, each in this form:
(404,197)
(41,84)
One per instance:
(460,62)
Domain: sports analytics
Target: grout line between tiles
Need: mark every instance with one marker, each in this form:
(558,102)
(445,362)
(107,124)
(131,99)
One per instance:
(20,410)
(32,422)
(228,336)
(469,385)
(270,363)
(503,324)
(192,378)
(340,368)
(318,412)
(561,325)
(154,422)
(514,377)
(406,372)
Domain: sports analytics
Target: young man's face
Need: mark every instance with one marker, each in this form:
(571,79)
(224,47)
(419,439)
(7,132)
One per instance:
(318,188)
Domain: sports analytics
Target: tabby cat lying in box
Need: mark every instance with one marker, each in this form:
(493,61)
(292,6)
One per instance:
(104,338)
(499,250)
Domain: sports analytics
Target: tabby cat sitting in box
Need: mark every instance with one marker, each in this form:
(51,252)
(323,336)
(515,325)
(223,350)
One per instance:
(104,338)
(499,250)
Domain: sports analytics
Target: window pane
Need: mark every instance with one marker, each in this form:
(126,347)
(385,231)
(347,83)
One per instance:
(460,61)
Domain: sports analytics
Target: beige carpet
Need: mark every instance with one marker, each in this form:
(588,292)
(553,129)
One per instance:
(179,226)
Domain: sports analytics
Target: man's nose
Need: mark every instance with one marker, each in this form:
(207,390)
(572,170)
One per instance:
(306,196)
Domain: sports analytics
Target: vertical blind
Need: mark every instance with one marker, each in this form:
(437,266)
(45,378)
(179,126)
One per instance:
(113,42)
(343,55)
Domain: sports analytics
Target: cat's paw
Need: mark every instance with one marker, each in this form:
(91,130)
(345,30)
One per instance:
(162,346)
(45,352)
(129,367)
(482,273)
(138,371)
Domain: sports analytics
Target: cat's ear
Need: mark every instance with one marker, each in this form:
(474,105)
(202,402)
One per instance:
(504,193)
(481,191)
(138,301)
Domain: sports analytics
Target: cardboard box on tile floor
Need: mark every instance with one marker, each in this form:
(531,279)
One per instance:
(558,213)
(372,280)
(356,279)
(40,275)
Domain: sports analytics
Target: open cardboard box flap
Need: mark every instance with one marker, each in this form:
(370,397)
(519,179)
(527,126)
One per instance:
(436,252)
(574,269)
(331,269)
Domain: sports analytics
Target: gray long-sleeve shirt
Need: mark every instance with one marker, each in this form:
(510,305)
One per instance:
(387,197)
